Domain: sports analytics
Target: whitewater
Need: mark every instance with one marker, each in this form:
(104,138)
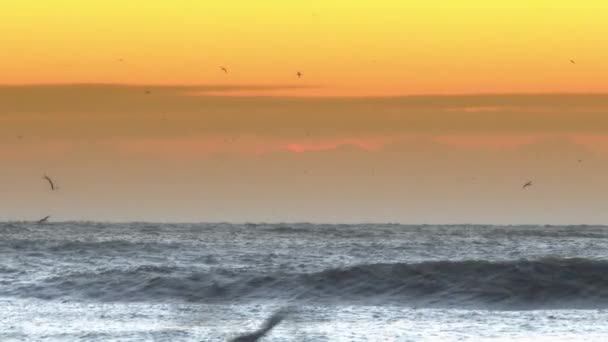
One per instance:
(89,281)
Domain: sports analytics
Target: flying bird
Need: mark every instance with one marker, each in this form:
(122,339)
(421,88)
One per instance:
(299,74)
(48,179)
(572,61)
(270,323)
(224,69)
(528,183)
(44,219)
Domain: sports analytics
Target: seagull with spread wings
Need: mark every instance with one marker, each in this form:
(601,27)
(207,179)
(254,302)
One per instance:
(269,324)
(44,219)
(51,184)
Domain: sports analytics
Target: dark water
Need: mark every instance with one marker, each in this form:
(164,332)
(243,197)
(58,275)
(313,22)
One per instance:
(347,282)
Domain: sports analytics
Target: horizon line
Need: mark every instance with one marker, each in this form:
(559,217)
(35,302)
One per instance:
(314,223)
(224,90)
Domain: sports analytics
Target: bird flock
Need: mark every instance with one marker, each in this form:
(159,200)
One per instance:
(224,69)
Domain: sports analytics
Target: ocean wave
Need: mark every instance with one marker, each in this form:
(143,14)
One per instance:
(58,247)
(556,283)
(6,270)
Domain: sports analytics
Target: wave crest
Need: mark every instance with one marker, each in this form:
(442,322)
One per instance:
(556,283)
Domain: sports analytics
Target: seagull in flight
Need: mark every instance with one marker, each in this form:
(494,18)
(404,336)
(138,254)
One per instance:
(270,323)
(224,69)
(44,219)
(528,183)
(572,61)
(299,74)
(48,179)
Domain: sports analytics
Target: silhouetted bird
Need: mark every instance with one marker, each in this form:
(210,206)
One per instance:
(270,323)
(147,92)
(572,61)
(299,74)
(528,183)
(48,179)
(44,219)
(224,69)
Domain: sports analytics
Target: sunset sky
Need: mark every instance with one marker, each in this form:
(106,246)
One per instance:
(407,111)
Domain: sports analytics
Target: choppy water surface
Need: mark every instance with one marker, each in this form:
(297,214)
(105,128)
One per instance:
(208,282)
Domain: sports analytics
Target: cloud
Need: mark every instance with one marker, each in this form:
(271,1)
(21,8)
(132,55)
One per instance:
(365,144)
(478,109)
(99,111)
(487,142)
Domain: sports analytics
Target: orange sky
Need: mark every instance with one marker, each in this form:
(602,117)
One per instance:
(120,153)
(342,47)
(408,111)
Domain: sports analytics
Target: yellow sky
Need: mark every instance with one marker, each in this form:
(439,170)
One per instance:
(351,47)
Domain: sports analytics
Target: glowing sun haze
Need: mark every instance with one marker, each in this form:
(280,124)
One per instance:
(405,111)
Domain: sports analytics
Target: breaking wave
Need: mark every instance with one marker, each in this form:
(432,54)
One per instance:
(555,283)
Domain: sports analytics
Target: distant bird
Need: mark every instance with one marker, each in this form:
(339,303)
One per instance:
(120,60)
(270,323)
(48,179)
(44,219)
(528,183)
(572,61)
(224,69)
(299,74)
(147,92)
(580,160)
(20,137)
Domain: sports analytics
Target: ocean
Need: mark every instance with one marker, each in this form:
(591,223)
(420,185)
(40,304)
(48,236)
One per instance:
(88,281)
